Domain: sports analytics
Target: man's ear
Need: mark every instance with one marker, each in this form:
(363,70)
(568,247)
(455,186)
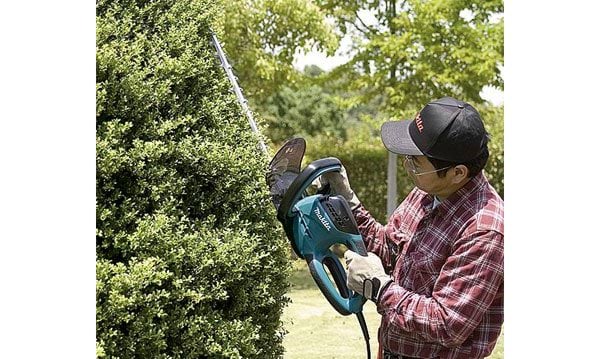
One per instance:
(460,173)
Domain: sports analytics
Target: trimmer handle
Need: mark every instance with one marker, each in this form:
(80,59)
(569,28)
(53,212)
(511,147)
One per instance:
(335,210)
(303,181)
(345,301)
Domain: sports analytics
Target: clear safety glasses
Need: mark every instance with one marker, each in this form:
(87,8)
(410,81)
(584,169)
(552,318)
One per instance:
(409,164)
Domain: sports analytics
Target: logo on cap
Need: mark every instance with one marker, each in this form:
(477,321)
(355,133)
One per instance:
(419,122)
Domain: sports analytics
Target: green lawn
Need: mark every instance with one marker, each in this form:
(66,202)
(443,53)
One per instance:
(316,330)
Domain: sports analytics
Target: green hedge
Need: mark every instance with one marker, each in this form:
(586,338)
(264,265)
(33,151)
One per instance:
(191,261)
(365,159)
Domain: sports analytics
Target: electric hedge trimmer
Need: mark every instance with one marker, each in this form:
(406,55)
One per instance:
(312,223)
(315,223)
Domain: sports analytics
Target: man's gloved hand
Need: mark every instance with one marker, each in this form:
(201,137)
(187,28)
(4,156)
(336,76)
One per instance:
(339,185)
(366,275)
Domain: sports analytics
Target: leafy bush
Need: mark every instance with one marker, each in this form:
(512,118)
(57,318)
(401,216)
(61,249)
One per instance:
(191,261)
(306,111)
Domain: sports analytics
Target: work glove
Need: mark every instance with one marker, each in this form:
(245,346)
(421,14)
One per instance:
(339,184)
(366,275)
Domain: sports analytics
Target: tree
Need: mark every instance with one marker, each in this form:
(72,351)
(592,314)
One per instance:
(262,36)
(421,50)
(308,108)
(304,112)
(191,261)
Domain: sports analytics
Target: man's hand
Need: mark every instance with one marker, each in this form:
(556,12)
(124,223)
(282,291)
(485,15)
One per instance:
(339,185)
(366,275)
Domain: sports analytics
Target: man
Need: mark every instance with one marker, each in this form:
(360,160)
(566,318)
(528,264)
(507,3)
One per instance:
(435,270)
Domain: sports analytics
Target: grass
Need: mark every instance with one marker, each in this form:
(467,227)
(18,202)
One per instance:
(316,330)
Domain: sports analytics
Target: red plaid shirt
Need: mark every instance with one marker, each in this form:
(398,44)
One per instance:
(446,299)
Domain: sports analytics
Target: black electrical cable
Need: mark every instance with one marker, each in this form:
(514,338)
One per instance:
(365,331)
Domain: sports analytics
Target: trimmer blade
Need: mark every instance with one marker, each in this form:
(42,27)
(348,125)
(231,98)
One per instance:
(284,168)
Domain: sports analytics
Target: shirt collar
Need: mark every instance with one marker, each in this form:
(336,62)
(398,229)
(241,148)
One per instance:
(436,201)
(451,203)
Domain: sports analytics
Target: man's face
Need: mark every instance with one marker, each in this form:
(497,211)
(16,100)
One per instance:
(425,176)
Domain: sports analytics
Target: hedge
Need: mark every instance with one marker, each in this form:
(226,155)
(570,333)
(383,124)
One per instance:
(191,261)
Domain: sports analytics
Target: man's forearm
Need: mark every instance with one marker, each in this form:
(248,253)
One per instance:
(374,235)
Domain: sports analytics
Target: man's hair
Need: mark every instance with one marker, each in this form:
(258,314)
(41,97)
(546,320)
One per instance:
(474,166)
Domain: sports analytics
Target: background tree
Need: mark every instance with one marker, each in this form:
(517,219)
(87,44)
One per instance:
(262,37)
(304,112)
(307,108)
(420,50)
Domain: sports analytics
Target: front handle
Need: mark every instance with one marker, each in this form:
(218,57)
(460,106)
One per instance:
(345,301)
(296,190)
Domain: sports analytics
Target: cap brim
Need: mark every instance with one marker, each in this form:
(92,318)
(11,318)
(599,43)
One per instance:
(396,138)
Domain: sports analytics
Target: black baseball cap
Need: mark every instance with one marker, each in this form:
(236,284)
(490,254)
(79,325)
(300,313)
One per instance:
(446,129)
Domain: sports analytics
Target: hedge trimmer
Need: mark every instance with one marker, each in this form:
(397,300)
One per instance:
(314,223)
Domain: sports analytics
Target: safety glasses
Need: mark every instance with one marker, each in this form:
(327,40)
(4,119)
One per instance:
(409,164)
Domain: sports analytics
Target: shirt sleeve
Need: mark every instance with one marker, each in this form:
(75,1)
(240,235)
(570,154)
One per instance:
(379,239)
(464,290)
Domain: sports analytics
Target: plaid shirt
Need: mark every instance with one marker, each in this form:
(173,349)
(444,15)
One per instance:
(446,299)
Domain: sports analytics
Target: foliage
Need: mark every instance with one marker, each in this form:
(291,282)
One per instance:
(305,110)
(421,50)
(316,105)
(262,36)
(190,259)
(493,119)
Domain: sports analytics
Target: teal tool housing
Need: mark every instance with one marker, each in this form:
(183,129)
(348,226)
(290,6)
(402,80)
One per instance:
(315,223)
(316,233)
